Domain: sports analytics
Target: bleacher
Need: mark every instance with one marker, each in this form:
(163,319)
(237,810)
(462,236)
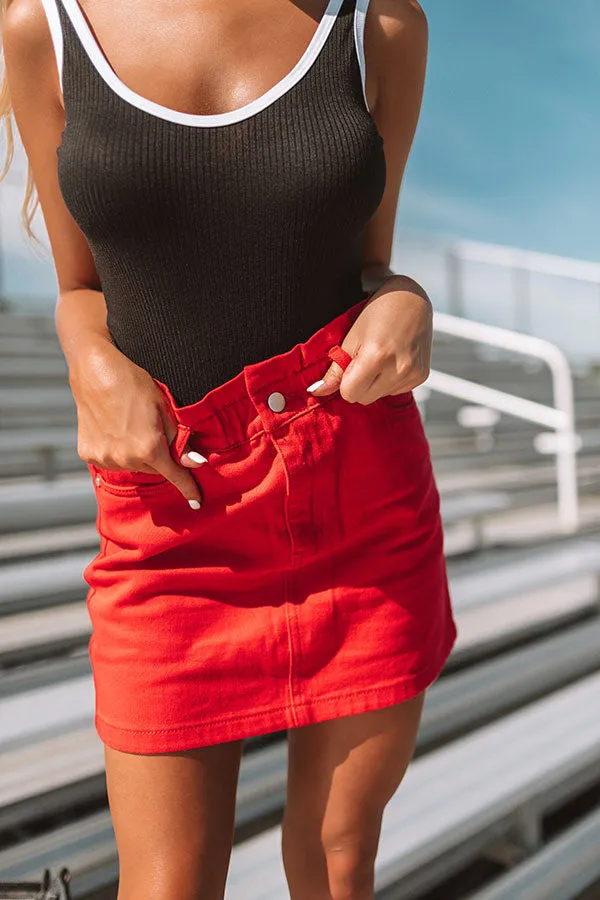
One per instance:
(502,799)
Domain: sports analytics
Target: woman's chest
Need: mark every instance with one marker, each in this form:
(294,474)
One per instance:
(202,57)
(122,170)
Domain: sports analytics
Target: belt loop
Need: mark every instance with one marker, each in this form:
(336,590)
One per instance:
(340,356)
(179,441)
(183,431)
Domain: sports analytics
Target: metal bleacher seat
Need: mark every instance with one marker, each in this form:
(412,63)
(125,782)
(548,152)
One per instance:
(37,411)
(446,779)
(528,570)
(44,450)
(473,505)
(561,871)
(32,400)
(521,596)
(462,699)
(470,509)
(455,800)
(43,633)
(42,582)
(13,324)
(37,369)
(35,505)
(15,344)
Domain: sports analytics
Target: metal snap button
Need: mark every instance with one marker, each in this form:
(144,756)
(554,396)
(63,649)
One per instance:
(276,401)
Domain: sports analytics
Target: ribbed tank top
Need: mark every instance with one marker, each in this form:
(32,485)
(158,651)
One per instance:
(220,240)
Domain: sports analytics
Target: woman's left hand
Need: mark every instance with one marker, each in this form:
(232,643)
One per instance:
(390,345)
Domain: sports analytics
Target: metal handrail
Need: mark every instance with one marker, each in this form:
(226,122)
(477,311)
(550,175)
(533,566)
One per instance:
(467,278)
(523,266)
(516,258)
(560,417)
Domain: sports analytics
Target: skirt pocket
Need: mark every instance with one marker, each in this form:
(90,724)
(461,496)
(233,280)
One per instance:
(138,519)
(121,480)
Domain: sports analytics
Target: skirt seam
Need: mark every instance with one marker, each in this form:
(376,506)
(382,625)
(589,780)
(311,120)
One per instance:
(286,583)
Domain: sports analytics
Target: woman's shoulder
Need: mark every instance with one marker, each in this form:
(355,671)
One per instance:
(25,27)
(398,19)
(27,44)
(396,42)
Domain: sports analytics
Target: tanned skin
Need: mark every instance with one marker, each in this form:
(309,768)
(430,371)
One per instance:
(174,813)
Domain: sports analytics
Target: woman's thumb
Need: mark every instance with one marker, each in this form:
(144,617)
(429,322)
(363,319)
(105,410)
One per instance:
(329,383)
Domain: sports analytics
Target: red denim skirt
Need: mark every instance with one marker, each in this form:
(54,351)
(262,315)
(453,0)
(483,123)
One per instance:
(310,585)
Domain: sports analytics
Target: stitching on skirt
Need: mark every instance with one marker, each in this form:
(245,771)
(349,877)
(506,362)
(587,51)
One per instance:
(414,680)
(133,490)
(285,579)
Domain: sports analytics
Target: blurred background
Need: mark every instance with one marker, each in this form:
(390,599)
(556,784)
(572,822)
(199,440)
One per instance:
(498,219)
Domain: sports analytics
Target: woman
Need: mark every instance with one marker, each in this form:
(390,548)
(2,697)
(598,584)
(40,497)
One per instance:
(242,361)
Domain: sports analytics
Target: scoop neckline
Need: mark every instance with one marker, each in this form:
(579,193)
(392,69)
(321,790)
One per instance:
(110,77)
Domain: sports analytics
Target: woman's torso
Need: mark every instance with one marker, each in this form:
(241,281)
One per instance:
(226,238)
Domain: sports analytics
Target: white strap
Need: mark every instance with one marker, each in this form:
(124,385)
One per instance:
(51,10)
(360,13)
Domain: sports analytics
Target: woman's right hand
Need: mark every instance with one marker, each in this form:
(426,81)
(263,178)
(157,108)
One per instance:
(124,420)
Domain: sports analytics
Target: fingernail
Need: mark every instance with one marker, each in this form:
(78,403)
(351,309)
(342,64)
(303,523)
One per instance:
(195,504)
(197,457)
(317,384)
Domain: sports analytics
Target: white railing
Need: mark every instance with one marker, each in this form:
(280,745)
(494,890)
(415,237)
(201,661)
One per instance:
(551,297)
(564,441)
(516,258)
(522,266)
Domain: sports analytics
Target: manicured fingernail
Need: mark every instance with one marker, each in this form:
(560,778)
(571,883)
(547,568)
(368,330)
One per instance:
(197,457)
(317,384)
(195,504)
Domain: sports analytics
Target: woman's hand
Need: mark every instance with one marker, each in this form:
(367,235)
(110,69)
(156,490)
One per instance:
(124,420)
(390,345)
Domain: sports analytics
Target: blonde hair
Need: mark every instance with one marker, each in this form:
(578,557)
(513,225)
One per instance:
(31,199)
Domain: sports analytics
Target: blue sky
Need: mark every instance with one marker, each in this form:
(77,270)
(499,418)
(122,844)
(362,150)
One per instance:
(508,145)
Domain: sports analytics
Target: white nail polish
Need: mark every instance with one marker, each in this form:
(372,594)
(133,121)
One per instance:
(195,504)
(197,457)
(315,385)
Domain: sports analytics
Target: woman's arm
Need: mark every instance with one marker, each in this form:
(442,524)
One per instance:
(123,419)
(396,38)
(390,341)
(37,106)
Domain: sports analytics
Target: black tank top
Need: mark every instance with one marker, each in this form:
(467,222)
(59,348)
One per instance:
(220,240)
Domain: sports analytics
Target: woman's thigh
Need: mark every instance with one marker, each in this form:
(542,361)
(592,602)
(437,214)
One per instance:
(173,816)
(341,775)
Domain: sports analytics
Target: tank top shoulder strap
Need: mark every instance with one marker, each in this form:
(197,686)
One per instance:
(51,9)
(360,15)
(350,26)
(72,56)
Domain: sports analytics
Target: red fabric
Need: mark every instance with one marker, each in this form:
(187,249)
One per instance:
(310,585)
(340,356)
